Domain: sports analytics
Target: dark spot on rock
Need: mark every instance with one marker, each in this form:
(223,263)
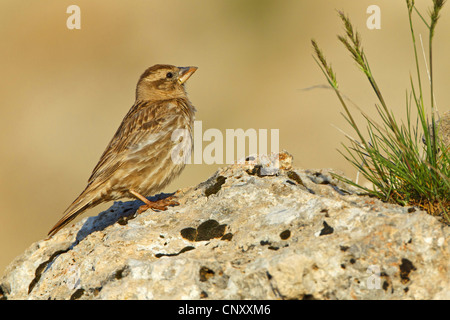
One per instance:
(285,234)
(256,170)
(326,229)
(405,269)
(291,182)
(189,234)
(205,274)
(220,180)
(343,266)
(269,244)
(406,289)
(243,249)
(308,297)
(250,158)
(97,290)
(77,294)
(294,176)
(269,276)
(227,237)
(207,226)
(2,293)
(119,274)
(185,249)
(411,210)
(203,295)
(319,178)
(208,230)
(122,221)
(344,248)
(352,261)
(385,285)
(315,267)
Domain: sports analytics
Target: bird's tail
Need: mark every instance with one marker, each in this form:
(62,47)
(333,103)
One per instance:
(87,199)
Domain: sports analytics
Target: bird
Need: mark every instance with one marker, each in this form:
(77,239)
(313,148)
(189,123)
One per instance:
(148,149)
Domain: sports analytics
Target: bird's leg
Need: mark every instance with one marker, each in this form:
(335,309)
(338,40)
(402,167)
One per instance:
(154,205)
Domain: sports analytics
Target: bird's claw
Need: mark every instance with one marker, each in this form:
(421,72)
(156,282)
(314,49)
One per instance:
(159,205)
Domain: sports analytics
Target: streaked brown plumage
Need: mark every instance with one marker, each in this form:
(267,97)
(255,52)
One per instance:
(138,160)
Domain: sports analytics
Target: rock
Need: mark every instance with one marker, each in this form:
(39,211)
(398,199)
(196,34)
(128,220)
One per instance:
(258,230)
(443,127)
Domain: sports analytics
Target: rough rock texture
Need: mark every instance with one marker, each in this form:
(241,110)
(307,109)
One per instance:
(444,128)
(251,231)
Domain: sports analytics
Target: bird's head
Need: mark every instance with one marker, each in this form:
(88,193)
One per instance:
(162,82)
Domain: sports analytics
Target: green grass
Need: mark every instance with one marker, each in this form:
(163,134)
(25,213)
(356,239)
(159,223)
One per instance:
(405,162)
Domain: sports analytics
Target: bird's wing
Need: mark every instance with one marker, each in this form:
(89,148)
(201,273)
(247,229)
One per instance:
(144,120)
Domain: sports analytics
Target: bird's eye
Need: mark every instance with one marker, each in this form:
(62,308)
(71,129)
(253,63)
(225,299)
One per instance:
(169,75)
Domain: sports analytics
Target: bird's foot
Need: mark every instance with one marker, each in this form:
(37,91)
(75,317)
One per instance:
(160,205)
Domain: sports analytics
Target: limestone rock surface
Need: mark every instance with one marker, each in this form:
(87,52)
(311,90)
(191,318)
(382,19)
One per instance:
(258,230)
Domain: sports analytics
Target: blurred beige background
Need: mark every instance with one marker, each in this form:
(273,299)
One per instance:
(64,92)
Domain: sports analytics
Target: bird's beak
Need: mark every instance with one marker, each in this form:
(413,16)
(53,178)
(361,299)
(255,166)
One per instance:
(185,73)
